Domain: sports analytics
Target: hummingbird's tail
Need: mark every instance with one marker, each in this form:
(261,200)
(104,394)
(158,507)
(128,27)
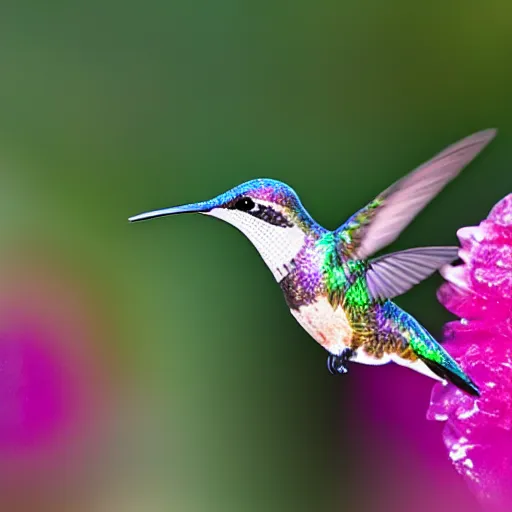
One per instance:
(450,370)
(430,352)
(439,361)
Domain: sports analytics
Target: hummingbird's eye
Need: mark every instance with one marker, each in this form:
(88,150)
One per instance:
(246,204)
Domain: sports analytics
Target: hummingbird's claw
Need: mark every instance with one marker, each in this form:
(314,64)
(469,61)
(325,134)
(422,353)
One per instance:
(331,364)
(337,365)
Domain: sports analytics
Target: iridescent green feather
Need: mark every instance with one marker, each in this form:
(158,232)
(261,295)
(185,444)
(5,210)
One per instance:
(357,295)
(334,275)
(428,351)
(345,280)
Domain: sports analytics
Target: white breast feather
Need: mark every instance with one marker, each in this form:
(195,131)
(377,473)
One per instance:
(327,326)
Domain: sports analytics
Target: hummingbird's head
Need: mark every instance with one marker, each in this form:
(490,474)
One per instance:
(268,212)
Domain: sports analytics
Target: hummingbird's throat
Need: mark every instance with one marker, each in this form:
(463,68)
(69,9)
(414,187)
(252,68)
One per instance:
(278,244)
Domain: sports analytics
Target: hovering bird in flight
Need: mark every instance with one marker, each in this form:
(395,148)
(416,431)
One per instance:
(334,287)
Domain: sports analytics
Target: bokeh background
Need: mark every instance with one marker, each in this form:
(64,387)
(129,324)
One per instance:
(155,367)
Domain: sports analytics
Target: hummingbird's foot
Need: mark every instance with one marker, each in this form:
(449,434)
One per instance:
(337,365)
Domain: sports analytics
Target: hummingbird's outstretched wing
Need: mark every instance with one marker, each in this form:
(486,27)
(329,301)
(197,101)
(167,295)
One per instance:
(393,274)
(381,221)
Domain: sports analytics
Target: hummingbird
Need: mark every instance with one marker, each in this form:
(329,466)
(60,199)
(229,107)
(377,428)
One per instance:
(333,284)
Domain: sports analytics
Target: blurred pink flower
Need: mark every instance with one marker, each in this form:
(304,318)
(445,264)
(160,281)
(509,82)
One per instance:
(477,431)
(50,386)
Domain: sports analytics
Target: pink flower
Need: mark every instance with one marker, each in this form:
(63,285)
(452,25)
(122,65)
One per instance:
(51,386)
(477,432)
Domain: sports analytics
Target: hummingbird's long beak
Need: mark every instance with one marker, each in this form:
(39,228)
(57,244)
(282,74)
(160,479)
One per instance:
(202,207)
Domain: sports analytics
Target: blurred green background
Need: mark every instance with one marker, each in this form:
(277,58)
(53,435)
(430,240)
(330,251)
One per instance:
(113,108)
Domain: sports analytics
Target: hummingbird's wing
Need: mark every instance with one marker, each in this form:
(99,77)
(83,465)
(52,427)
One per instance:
(394,274)
(381,221)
